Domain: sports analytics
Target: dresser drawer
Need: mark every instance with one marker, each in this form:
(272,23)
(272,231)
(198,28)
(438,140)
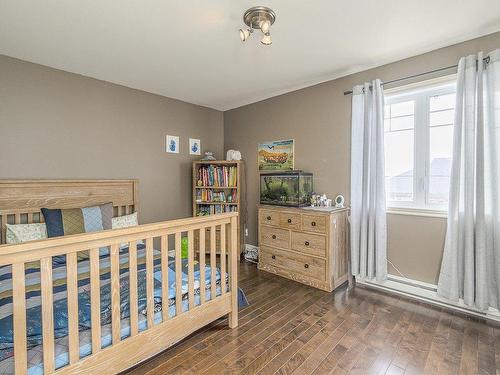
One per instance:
(313,268)
(314,223)
(275,237)
(313,244)
(269,217)
(289,220)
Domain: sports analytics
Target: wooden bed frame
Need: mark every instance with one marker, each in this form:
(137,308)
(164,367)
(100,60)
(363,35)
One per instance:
(21,201)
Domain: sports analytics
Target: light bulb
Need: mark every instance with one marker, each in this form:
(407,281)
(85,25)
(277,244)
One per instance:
(264,26)
(266,39)
(244,34)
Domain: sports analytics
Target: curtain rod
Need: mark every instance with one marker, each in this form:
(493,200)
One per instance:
(486,60)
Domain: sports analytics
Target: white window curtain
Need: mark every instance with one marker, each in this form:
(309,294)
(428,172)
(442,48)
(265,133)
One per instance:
(368,217)
(471,261)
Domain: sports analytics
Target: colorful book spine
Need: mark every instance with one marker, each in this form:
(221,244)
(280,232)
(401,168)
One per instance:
(218,176)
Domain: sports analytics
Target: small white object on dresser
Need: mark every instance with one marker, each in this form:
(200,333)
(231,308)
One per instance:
(308,245)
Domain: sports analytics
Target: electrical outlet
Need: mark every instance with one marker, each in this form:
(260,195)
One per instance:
(246,232)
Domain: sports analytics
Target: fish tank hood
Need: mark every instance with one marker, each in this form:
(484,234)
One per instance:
(290,188)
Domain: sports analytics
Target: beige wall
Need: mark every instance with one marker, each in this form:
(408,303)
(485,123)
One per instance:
(55,124)
(318,118)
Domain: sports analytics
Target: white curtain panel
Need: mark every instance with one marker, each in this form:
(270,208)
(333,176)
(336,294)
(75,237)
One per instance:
(471,261)
(368,217)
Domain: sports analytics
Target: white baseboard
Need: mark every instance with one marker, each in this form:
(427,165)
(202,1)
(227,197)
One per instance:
(425,292)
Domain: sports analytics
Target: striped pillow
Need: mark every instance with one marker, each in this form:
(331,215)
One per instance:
(62,222)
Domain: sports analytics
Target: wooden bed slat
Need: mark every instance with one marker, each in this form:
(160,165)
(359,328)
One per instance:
(19,303)
(202,256)
(164,278)
(223,288)
(149,283)
(190,270)
(4,228)
(178,275)
(115,294)
(233,273)
(47,315)
(72,275)
(95,300)
(134,313)
(213,262)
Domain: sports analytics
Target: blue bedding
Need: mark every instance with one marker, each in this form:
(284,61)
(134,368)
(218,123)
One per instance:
(33,313)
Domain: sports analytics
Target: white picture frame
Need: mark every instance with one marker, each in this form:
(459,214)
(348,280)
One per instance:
(172,144)
(194,146)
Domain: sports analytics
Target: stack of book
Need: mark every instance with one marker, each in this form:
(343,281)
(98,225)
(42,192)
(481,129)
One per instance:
(215,209)
(217,176)
(209,196)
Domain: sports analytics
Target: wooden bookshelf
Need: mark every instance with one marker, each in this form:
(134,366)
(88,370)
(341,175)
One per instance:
(211,195)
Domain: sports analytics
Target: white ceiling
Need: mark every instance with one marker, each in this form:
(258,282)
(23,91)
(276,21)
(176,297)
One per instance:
(190,50)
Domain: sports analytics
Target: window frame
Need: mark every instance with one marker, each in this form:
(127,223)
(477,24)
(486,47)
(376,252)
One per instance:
(421,93)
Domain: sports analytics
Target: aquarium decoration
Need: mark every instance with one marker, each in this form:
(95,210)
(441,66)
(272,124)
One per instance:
(276,155)
(292,188)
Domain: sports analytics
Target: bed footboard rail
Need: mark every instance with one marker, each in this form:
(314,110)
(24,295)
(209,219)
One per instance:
(148,287)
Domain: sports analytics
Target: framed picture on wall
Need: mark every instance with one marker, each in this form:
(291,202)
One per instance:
(276,155)
(194,146)
(172,144)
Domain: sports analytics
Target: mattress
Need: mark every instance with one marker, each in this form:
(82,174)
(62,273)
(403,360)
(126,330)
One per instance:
(35,351)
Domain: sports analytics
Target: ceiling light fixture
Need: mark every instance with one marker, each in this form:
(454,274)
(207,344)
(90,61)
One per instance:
(258,18)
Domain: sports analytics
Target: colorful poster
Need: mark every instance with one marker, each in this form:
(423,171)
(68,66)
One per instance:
(276,155)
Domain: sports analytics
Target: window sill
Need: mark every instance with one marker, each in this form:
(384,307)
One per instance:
(410,211)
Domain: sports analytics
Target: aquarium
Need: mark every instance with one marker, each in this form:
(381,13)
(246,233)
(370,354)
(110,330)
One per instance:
(292,188)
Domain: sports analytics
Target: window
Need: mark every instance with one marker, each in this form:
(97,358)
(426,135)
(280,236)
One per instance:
(418,128)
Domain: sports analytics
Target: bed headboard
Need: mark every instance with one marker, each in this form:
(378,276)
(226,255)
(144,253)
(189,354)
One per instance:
(21,200)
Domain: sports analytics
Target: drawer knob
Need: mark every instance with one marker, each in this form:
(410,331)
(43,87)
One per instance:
(306,243)
(306,265)
(268,218)
(289,221)
(273,256)
(273,236)
(313,223)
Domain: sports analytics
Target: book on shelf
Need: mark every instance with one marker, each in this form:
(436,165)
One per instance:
(215,209)
(218,176)
(210,196)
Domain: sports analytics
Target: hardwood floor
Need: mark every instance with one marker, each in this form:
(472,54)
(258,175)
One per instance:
(291,328)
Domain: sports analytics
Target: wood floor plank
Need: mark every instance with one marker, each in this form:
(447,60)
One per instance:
(266,351)
(238,358)
(450,363)
(469,362)
(355,304)
(286,355)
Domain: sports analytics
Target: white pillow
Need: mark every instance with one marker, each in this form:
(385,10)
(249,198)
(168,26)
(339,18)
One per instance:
(125,221)
(18,233)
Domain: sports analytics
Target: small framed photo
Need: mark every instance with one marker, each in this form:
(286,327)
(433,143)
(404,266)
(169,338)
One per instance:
(194,146)
(172,144)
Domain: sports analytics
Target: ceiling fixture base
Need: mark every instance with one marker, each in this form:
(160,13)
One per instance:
(253,17)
